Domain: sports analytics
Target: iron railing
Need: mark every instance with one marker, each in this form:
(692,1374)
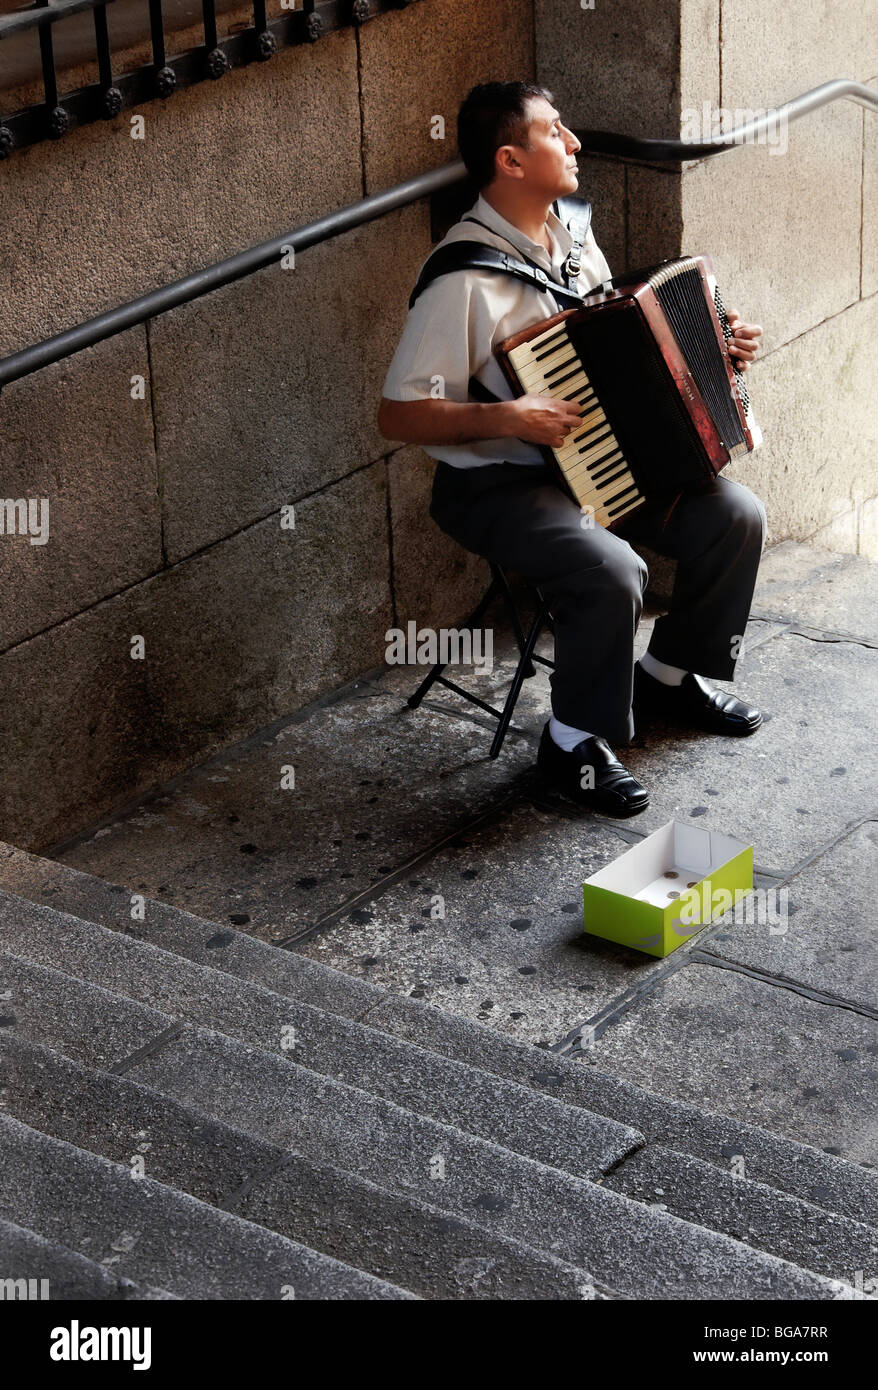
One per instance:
(201,282)
(56,115)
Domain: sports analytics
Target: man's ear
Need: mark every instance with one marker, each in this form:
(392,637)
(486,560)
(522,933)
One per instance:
(506,162)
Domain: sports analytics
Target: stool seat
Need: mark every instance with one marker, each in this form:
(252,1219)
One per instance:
(498,587)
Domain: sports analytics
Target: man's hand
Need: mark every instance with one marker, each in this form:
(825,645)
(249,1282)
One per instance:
(542,420)
(744,343)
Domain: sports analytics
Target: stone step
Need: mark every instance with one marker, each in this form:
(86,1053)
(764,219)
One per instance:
(402,1240)
(153,1235)
(84,895)
(750,1211)
(34,1268)
(414,1078)
(797,1169)
(639,1251)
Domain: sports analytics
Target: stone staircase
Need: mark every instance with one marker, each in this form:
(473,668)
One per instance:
(190,1113)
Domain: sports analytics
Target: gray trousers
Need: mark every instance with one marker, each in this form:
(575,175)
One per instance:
(519,517)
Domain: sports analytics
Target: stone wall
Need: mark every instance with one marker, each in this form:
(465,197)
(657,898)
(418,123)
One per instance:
(792,229)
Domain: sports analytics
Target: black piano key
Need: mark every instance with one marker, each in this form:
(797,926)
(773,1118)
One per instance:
(570,371)
(610,503)
(606,468)
(551,344)
(618,471)
(565,351)
(577,371)
(594,440)
(624,506)
(622,476)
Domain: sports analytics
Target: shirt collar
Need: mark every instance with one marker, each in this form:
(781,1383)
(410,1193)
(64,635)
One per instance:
(483,210)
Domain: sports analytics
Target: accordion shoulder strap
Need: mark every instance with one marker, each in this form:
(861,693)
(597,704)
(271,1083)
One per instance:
(477,255)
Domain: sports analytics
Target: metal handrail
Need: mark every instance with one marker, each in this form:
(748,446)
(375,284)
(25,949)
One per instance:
(201,282)
(662,151)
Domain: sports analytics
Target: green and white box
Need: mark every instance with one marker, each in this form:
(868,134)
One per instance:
(661,892)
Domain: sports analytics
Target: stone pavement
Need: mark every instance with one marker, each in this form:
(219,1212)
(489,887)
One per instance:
(397,814)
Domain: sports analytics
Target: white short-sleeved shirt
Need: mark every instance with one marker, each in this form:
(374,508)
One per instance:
(456,323)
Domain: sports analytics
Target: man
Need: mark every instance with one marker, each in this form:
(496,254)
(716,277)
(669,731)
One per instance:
(494,493)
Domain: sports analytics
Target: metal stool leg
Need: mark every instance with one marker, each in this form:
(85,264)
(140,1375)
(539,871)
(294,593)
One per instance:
(503,585)
(518,680)
(434,675)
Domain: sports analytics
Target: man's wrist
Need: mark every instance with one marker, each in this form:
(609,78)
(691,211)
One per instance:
(502,420)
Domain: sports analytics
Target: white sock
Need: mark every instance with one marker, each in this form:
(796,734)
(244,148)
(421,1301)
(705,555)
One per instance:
(668,675)
(565,735)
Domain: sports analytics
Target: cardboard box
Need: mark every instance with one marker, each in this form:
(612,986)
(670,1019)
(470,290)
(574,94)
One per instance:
(662,891)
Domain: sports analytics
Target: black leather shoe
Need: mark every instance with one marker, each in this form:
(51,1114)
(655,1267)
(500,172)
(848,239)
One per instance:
(614,791)
(693,703)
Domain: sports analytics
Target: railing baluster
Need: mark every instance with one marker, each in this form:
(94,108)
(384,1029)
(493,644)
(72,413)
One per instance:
(111,97)
(266,44)
(157,33)
(165,77)
(59,120)
(313,22)
(208,12)
(217,62)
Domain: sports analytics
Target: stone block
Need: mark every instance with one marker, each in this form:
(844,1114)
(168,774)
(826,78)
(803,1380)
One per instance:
(602,181)
(655,223)
(73,435)
(774,52)
(268,389)
(814,399)
(699,52)
(234,638)
(419,64)
(818,590)
(820,935)
(740,1046)
(614,67)
(784,228)
(100,218)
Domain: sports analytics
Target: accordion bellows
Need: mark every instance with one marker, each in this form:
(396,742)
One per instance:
(664,403)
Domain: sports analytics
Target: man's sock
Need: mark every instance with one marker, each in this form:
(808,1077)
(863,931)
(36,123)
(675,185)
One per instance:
(668,675)
(565,735)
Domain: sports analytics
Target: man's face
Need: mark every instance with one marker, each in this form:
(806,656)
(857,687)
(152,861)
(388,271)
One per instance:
(549,164)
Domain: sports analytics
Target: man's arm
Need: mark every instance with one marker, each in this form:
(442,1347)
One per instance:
(537,419)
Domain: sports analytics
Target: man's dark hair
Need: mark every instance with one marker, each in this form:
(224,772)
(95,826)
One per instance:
(493,114)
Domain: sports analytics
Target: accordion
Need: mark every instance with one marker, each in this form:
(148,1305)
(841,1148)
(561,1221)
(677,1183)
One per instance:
(664,404)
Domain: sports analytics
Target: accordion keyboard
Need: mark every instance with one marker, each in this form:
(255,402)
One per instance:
(590,457)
